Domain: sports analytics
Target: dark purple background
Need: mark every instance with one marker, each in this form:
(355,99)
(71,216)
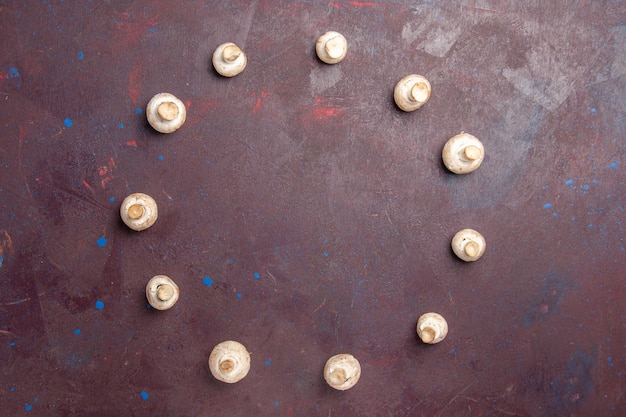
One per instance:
(303,215)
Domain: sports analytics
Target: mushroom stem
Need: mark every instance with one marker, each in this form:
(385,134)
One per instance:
(337,377)
(165,292)
(334,47)
(227,366)
(231,53)
(167,111)
(472,152)
(419,93)
(471,249)
(135,211)
(428,334)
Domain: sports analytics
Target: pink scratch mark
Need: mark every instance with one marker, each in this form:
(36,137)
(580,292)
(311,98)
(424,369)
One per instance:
(89,187)
(259,101)
(337,5)
(133,83)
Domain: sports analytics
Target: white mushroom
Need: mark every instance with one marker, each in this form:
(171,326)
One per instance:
(411,92)
(161,292)
(463,153)
(432,328)
(331,47)
(229,60)
(229,361)
(139,211)
(166,113)
(468,245)
(342,371)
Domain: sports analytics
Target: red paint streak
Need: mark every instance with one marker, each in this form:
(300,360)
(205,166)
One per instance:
(290,411)
(132,143)
(133,82)
(356,4)
(106,171)
(259,101)
(333,4)
(324,113)
(89,187)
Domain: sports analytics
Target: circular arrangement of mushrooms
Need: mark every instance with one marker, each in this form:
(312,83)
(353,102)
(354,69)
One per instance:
(229,361)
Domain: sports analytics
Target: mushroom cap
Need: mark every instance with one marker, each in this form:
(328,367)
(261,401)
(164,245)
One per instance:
(166,113)
(139,211)
(331,47)
(229,60)
(229,361)
(463,153)
(161,292)
(342,371)
(468,245)
(432,328)
(411,92)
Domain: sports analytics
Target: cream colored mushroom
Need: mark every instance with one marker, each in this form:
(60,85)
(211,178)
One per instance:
(229,60)
(342,371)
(161,292)
(432,328)
(411,92)
(166,113)
(229,361)
(139,211)
(468,245)
(331,47)
(463,153)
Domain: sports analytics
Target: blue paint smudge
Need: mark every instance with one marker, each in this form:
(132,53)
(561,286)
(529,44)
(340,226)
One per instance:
(555,214)
(160,157)
(76,331)
(111,199)
(28,407)
(121,125)
(12,344)
(268,362)
(99,304)
(12,389)
(547,206)
(231,261)
(613,165)
(1,260)
(207,281)
(13,73)
(138,110)
(595,181)
(102,241)
(569,182)
(555,286)
(80,55)
(276,404)
(144,395)
(257,275)
(238,295)
(577,383)
(68,122)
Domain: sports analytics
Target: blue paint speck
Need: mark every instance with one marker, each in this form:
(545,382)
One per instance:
(12,344)
(28,407)
(231,261)
(12,389)
(276,404)
(77,331)
(555,214)
(80,55)
(325,254)
(144,395)
(207,281)
(238,295)
(585,187)
(256,275)
(138,110)
(121,125)
(1,260)
(67,122)
(13,73)
(613,165)
(609,359)
(160,157)
(111,199)
(102,241)
(593,110)
(569,183)
(268,362)
(595,181)
(99,304)
(547,206)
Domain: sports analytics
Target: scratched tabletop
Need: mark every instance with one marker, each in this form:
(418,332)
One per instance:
(303,214)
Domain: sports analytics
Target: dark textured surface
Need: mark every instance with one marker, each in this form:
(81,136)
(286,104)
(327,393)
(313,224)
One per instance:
(302,214)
